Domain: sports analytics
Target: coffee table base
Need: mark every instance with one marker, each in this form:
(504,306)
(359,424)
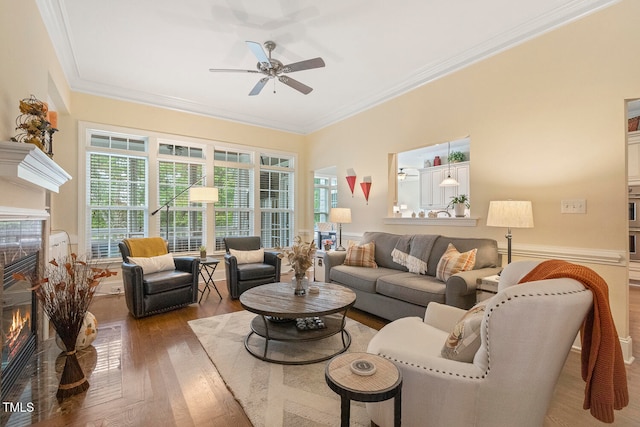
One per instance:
(270,331)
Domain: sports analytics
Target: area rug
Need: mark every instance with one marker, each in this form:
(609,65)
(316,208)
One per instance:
(273,394)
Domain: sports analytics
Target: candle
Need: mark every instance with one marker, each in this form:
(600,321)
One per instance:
(53,119)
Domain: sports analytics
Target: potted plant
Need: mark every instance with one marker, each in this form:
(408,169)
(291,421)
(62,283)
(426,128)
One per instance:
(456,156)
(300,257)
(459,203)
(203,252)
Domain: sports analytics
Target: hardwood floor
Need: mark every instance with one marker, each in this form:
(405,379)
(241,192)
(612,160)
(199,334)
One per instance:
(168,380)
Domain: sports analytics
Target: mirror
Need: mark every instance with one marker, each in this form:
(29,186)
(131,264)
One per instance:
(420,172)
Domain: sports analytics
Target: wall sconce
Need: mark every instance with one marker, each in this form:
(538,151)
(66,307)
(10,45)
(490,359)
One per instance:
(366,187)
(351,179)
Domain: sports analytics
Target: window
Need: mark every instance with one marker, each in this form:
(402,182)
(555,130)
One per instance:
(276,196)
(116,194)
(185,220)
(132,173)
(325,197)
(233,176)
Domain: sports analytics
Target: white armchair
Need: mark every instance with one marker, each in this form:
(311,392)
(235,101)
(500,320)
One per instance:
(526,334)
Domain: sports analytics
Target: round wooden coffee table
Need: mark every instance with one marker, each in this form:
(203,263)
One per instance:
(277,301)
(384,383)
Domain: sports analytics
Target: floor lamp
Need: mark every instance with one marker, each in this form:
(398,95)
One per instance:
(167,205)
(510,214)
(340,216)
(203,194)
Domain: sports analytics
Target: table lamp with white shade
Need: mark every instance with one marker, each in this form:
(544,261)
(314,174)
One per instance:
(340,216)
(510,214)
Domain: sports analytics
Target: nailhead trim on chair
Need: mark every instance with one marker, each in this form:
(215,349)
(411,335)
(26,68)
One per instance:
(501,303)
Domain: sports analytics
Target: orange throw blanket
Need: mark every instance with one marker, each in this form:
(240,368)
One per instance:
(602,362)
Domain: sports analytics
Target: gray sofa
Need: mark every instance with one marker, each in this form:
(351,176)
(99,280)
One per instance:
(391,291)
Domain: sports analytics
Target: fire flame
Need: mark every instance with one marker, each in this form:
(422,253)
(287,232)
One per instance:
(17,324)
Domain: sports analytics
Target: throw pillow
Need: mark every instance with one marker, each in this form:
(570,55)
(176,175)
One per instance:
(155,263)
(464,341)
(248,257)
(361,255)
(453,262)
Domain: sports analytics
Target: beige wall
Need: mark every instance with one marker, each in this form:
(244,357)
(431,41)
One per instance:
(547,122)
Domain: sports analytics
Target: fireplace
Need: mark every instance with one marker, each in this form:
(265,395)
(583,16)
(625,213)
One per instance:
(19,320)
(20,246)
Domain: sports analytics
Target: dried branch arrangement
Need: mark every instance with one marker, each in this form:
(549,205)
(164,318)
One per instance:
(65,290)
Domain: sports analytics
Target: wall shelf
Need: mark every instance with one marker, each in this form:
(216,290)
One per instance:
(449,222)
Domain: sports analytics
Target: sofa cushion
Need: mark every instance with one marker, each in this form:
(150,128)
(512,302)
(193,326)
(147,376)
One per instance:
(385,243)
(363,279)
(453,262)
(464,341)
(155,263)
(487,255)
(248,257)
(361,255)
(413,288)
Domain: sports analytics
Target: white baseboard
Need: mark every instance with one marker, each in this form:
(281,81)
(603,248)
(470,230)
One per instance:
(625,343)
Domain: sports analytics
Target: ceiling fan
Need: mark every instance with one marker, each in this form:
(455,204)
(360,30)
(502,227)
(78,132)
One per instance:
(402,175)
(272,68)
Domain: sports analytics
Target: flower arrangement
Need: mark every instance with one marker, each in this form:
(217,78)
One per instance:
(300,256)
(456,156)
(65,291)
(35,124)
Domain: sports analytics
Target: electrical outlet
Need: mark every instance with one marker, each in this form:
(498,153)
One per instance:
(116,289)
(573,206)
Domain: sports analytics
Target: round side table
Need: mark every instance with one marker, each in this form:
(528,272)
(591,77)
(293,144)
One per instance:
(383,384)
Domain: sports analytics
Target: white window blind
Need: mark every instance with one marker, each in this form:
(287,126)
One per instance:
(276,200)
(117,201)
(233,176)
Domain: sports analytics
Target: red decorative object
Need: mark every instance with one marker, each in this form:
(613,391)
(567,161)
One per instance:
(437,161)
(351,179)
(366,187)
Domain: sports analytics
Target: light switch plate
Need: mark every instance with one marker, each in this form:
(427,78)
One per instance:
(573,206)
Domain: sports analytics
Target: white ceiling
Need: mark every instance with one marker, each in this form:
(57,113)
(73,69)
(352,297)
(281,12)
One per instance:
(159,52)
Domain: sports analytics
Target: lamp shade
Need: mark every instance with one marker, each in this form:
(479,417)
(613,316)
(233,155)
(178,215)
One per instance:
(203,194)
(340,215)
(449,182)
(510,213)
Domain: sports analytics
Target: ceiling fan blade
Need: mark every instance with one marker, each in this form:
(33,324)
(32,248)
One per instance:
(258,87)
(258,51)
(300,87)
(303,65)
(231,70)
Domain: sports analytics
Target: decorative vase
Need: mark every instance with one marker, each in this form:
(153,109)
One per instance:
(203,254)
(300,283)
(327,247)
(437,161)
(459,209)
(86,336)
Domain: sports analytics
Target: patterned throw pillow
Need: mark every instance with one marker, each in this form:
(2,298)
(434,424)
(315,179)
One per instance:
(464,341)
(361,255)
(453,262)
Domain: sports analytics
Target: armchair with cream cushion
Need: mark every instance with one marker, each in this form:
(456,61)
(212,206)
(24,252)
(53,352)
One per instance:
(525,335)
(247,264)
(154,280)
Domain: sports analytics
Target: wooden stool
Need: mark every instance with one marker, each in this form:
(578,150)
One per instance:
(384,384)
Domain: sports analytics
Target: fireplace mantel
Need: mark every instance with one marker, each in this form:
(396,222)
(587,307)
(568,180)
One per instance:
(26,163)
